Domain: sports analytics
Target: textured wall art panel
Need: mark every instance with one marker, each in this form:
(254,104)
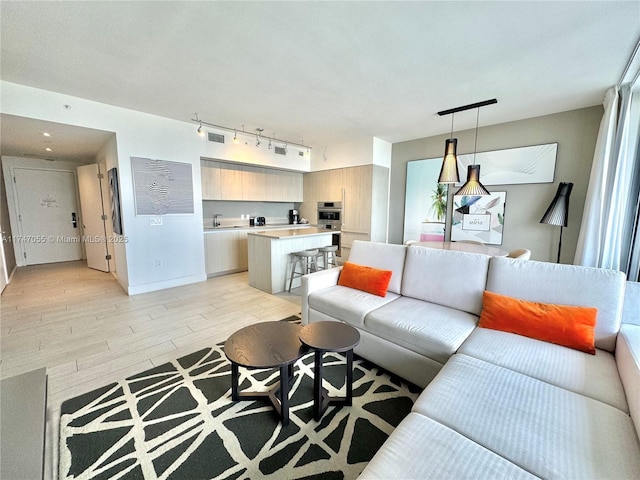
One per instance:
(162,187)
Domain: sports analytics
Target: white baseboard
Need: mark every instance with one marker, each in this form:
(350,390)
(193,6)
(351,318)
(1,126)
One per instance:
(174,282)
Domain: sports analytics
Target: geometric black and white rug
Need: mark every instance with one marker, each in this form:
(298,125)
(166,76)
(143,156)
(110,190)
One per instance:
(177,421)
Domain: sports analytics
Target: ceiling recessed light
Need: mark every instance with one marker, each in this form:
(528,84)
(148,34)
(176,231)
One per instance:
(48,149)
(46,134)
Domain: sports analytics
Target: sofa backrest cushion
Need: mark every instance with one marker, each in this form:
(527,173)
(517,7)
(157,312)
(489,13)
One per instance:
(567,285)
(631,309)
(384,256)
(445,277)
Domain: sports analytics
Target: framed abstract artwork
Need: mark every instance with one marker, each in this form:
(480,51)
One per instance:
(512,166)
(114,190)
(478,218)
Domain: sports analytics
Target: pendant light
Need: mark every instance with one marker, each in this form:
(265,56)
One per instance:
(473,186)
(449,171)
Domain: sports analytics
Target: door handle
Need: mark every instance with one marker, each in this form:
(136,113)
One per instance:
(74,220)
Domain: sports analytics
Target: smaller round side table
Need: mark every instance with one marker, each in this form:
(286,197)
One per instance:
(330,337)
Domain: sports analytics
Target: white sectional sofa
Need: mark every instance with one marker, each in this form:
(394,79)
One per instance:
(496,404)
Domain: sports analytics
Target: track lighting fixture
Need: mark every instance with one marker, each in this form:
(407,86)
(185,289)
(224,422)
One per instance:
(258,136)
(200,131)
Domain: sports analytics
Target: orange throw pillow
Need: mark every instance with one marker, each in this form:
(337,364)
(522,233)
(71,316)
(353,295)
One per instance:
(566,325)
(367,279)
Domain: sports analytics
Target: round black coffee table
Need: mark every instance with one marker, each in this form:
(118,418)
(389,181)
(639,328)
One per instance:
(266,345)
(330,337)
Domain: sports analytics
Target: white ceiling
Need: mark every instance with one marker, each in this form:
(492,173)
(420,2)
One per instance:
(323,72)
(25,137)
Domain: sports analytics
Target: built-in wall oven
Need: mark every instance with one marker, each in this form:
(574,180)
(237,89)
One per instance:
(330,217)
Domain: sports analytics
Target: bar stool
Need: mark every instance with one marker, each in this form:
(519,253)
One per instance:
(308,263)
(328,254)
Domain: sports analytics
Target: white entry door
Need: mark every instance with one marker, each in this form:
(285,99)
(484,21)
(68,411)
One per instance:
(47,212)
(93,217)
(4,279)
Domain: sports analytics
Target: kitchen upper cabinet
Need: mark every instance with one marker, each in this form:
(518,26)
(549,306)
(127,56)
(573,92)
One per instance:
(310,183)
(255,184)
(226,181)
(231,182)
(329,185)
(292,188)
(210,179)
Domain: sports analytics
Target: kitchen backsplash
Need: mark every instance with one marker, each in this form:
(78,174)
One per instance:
(275,213)
(234,221)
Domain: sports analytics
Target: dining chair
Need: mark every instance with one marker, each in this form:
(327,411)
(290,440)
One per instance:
(520,254)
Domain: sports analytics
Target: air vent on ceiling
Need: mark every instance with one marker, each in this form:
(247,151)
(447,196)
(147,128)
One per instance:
(216,137)
(281,151)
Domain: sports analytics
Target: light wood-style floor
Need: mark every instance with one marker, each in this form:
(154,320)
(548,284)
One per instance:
(87,332)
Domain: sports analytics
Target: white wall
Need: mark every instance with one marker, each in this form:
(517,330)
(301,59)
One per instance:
(245,151)
(575,131)
(360,151)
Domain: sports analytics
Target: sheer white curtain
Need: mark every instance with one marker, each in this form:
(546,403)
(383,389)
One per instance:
(611,206)
(596,204)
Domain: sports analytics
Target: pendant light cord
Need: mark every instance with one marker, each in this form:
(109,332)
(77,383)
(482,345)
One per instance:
(452,115)
(475,144)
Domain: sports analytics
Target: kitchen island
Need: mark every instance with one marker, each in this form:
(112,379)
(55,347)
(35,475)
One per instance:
(269,259)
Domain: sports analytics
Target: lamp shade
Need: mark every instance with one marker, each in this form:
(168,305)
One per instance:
(449,171)
(558,211)
(473,186)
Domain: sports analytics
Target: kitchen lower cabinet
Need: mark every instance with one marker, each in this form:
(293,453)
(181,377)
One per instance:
(225,252)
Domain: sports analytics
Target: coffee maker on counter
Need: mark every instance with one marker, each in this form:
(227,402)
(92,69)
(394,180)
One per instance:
(294,217)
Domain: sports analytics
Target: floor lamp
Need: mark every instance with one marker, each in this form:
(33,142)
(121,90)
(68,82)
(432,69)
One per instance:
(558,211)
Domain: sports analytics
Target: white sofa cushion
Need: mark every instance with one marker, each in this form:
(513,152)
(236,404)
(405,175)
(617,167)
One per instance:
(595,376)
(628,360)
(449,278)
(566,285)
(631,308)
(347,304)
(548,431)
(420,448)
(384,256)
(432,330)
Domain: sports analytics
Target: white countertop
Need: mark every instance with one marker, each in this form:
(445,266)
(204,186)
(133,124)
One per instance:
(293,232)
(225,228)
